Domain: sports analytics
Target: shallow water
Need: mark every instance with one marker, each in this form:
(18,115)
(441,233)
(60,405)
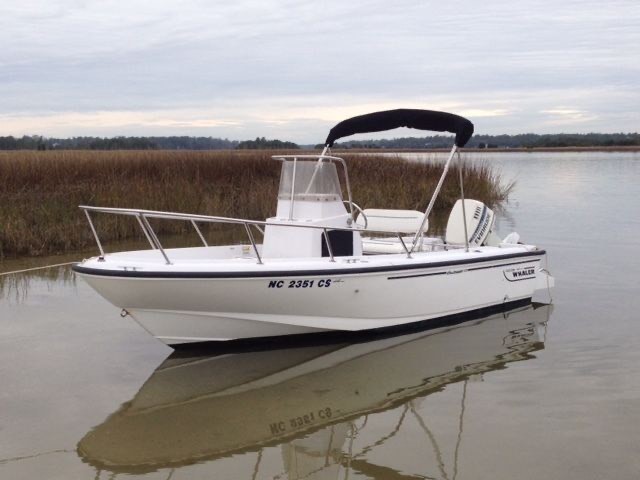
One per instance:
(87,394)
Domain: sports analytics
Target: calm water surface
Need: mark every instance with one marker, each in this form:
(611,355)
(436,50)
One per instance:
(544,393)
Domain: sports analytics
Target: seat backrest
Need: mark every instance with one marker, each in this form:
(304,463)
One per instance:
(392,221)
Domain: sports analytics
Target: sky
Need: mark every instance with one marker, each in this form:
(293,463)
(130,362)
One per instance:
(292,69)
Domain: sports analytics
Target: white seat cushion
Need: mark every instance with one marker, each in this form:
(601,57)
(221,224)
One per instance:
(392,221)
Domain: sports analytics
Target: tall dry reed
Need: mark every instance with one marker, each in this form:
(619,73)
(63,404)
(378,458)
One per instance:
(40,191)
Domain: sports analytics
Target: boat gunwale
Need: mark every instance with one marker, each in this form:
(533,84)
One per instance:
(256,273)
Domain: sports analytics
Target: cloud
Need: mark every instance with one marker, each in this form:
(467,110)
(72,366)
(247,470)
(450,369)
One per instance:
(562,116)
(111,67)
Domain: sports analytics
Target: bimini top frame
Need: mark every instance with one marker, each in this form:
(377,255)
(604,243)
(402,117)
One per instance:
(404,117)
(412,118)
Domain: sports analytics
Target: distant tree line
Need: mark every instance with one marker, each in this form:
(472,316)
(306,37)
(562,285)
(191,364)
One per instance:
(36,142)
(261,143)
(525,140)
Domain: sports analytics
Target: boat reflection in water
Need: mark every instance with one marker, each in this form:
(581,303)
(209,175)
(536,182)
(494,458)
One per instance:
(311,403)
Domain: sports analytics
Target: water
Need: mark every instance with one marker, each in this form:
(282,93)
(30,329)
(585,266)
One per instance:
(87,394)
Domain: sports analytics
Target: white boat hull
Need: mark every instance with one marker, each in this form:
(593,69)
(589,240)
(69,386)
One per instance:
(254,301)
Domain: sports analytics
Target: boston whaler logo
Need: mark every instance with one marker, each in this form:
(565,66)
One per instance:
(520,273)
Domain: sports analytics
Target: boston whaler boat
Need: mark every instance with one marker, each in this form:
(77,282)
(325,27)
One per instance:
(321,268)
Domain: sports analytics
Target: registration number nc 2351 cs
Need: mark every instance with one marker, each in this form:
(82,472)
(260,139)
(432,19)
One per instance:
(322,283)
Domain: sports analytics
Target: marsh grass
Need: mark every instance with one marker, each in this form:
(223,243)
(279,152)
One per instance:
(40,192)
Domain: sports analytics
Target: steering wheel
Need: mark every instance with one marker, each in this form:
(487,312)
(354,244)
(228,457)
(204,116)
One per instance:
(359,209)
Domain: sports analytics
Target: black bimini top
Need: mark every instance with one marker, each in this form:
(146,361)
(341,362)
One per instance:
(404,117)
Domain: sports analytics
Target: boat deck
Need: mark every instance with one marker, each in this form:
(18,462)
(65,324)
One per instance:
(239,260)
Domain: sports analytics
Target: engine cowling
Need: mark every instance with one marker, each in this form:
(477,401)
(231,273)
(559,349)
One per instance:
(480,221)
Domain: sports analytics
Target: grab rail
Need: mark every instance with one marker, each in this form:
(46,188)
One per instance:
(143,217)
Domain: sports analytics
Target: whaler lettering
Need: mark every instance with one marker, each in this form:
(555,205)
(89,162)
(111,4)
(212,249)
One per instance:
(524,273)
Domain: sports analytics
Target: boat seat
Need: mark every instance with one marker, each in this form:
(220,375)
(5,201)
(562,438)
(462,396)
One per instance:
(390,221)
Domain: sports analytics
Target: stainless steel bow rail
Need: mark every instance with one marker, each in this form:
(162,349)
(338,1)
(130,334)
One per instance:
(143,216)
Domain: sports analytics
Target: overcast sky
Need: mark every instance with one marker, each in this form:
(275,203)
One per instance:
(290,70)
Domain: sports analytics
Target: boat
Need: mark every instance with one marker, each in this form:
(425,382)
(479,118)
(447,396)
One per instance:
(202,408)
(324,266)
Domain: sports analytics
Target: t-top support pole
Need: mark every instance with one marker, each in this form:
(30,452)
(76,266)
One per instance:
(427,212)
(464,210)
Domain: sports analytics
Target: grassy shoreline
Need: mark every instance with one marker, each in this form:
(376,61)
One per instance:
(40,192)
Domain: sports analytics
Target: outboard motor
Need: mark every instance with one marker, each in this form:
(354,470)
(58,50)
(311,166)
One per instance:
(480,224)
